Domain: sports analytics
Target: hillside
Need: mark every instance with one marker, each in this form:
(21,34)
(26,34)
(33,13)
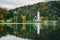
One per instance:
(47,9)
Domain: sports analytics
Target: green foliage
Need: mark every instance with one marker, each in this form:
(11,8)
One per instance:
(46,8)
(3,11)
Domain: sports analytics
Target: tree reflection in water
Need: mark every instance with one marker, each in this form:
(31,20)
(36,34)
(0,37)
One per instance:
(31,32)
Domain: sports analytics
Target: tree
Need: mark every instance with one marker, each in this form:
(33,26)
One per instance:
(4,12)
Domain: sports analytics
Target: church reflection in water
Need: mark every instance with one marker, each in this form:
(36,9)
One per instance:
(27,29)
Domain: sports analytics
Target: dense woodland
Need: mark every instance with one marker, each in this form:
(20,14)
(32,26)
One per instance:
(47,9)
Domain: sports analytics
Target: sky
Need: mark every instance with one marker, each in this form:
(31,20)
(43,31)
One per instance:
(12,37)
(11,4)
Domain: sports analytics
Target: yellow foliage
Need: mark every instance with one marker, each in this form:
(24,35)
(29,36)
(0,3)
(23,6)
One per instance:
(24,18)
(42,17)
(42,26)
(24,27)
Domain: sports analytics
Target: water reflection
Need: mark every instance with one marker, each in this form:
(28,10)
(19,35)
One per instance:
(27,30)
(23,26)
